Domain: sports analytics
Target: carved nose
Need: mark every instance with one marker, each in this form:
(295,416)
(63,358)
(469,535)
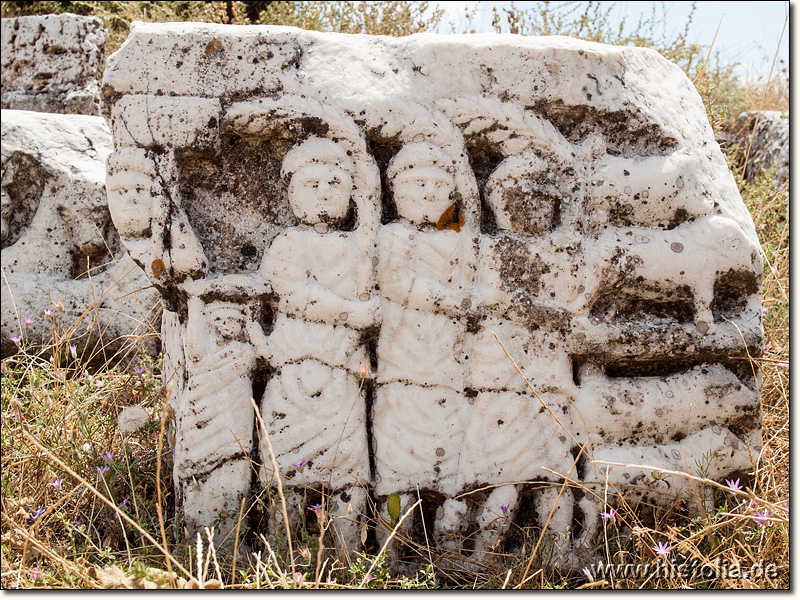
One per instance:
(324,192)
(429,192)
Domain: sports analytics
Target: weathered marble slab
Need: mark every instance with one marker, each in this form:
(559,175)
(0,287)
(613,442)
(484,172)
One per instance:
(53,63)
(60,250)
(769,144)
(353,225)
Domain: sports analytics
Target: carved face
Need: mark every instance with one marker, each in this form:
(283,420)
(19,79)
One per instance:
(5,210)
(522,208)
(422,193)
(321,186)
(320,192)
(129,185)
(524,196)
(422,182)
(130,210)
(216,322)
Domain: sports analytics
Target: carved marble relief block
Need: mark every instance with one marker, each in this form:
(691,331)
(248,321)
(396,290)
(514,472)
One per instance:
(459,268)
(60,250)
(53,63)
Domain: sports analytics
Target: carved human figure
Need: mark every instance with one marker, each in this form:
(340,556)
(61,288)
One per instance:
(314,406)
(215,413)
(426,271)
(133,192)
(522,293)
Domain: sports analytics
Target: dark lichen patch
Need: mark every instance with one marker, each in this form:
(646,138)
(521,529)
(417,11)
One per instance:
(748,418)
(626,297)
(626,132)
(383,149)
(97,255)
(649,368)
(520,273)
(484,157)
(732,292)
(23,182)
(646,303)
(236,202)
(532,211)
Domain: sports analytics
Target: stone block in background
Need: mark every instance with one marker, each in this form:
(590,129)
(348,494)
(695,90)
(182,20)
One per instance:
(52,63)
(60,251)
(346,228)
(770,144)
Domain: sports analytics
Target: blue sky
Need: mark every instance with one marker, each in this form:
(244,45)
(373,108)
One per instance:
(749,31)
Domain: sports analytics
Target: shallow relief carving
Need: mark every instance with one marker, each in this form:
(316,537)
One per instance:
(453,297)
(66,276)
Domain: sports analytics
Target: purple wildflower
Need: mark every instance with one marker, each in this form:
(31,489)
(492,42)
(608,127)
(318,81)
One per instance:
(59,375)
(299,578)
(588,572)
(662,549)
(47,312)
(108,456)
(74,527)
(35,514)
(35,574)
(300,465)
(102,470)
(504,508)
(764,515)
(57,483)
(138,370)
(123,505)
(16,339)
(746,575)
(609,515)
(318,510)
(27,320)
(734,485)
(368,578)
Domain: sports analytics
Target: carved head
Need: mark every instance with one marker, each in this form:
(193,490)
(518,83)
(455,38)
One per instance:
(422,180)
(131,186)
(211,324)
(521,195)
(5,211)
(320,184)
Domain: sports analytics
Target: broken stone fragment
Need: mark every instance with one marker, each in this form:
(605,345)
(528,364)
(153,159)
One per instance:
(476,264)
(64,269)
(53,63)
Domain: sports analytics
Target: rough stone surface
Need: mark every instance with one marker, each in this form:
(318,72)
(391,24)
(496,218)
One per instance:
(53,63)
(60,251)
(770,144)
(361,233)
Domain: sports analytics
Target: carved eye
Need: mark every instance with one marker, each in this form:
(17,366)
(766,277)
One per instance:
(450,219)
